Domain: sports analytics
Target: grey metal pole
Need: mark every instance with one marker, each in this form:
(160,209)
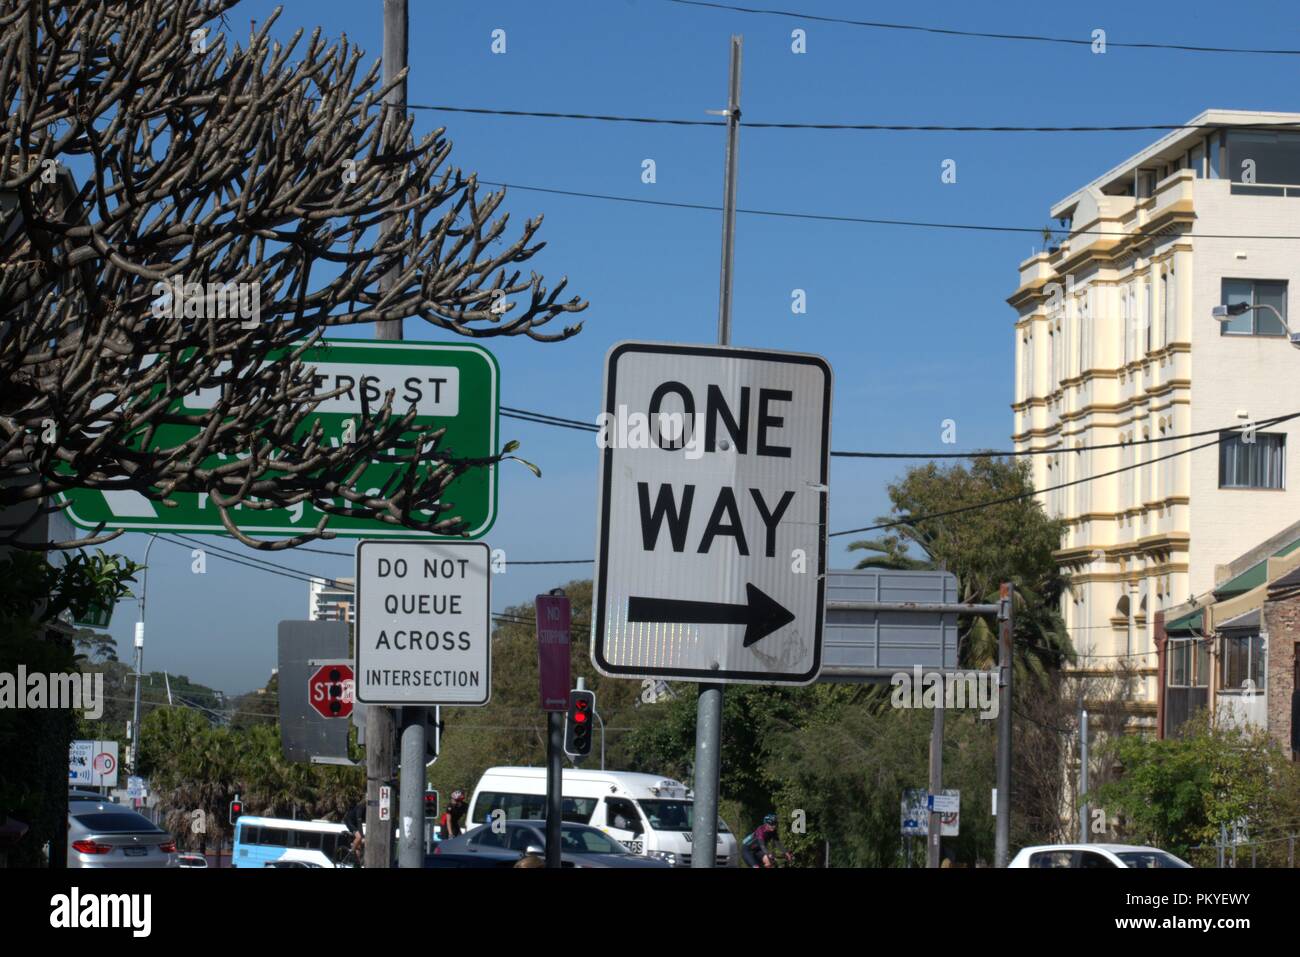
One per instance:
(708,768)
(1223,841)
(381,722)
(410,845)
(554,785)
(934,828)
(1006,624)
(708,722)
(602,738)
(1083,775)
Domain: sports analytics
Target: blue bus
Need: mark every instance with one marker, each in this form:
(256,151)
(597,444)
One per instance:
(276,842)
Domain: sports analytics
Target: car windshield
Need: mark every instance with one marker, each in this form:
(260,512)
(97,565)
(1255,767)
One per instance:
(1149,859)
(587,840)
(116,822)
(669,815)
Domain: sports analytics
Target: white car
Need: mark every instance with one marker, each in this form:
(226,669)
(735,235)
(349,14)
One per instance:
(1095,855)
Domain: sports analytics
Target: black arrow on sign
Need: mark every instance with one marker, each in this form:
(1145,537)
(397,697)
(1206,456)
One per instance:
(760,614)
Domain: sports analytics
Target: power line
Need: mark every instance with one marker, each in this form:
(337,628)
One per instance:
(914,520)
(281,571)
(862,220)
(911,520)
(984,35)
(859,127)
(541,418)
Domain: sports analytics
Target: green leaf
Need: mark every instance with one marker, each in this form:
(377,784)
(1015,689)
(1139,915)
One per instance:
(525,463)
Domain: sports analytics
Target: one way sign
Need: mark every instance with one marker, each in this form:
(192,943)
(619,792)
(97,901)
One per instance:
(712,542)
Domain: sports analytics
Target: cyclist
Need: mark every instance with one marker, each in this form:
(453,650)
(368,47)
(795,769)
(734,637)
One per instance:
(757,847)
(354,820)
(452,822)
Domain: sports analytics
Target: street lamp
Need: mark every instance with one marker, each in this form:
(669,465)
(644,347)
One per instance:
(1226,313)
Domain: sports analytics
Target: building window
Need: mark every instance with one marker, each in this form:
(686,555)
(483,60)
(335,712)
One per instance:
(1150,316)
(1171,317)
(1214,167)
(1273,157)
(1260,463)
(1126,303)
(1028,344)
(1244,661)
(1051,361)
(1189,663)
(1255,292)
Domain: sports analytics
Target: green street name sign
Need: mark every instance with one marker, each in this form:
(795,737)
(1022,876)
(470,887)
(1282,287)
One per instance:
(453,385)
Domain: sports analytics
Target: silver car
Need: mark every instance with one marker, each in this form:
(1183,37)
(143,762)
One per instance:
(109,835)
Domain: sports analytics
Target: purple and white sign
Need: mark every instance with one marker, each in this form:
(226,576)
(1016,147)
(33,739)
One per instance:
(553,617)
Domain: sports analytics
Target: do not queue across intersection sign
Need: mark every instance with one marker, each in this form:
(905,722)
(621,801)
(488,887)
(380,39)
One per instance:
(423,625)
(711,553)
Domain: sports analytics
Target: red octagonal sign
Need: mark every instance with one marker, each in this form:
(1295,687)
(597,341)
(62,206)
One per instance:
(329,690)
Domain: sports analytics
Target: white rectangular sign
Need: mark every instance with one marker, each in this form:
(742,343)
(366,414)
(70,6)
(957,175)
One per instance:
(949,802)
(433,390)
(713,505)
(93,763)
(423,623)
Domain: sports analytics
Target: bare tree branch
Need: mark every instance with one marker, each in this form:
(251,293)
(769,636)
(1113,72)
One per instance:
(147,152)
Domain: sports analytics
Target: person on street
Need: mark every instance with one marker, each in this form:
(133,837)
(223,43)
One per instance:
(757,848)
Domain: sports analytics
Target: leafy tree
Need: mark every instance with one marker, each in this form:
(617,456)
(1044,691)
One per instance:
(942,518)
(511,729)
(1179,792)
(34,595)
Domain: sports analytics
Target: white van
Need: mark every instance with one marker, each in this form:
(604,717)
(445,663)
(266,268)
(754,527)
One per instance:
(646,813)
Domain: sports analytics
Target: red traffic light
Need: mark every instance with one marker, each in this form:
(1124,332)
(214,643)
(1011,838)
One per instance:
(577,727)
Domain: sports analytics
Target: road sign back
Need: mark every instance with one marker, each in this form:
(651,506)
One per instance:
(713,502)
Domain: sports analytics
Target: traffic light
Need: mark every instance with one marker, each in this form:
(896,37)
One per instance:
(236,809)
(431,805)
(578,721)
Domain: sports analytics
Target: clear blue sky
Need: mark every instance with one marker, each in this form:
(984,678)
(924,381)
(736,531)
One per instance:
(913,320)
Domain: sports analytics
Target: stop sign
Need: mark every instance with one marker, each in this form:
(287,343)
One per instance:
(329,690)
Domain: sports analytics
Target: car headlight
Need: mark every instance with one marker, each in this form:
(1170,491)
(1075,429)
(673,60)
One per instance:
(666,856)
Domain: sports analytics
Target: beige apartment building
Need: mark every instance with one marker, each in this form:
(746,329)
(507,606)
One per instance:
(1116,345)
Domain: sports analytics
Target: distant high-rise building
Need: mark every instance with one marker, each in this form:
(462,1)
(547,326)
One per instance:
(331,599)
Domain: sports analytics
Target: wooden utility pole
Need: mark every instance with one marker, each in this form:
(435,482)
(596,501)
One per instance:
(1006,632)
(934,826)
(708,721)
(380,721)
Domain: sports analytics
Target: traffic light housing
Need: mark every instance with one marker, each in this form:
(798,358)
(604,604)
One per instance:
(236,809)
(578,721)
(431,806)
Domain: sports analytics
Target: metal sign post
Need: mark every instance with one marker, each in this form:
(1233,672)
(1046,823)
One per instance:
(554,614)
(423,638)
